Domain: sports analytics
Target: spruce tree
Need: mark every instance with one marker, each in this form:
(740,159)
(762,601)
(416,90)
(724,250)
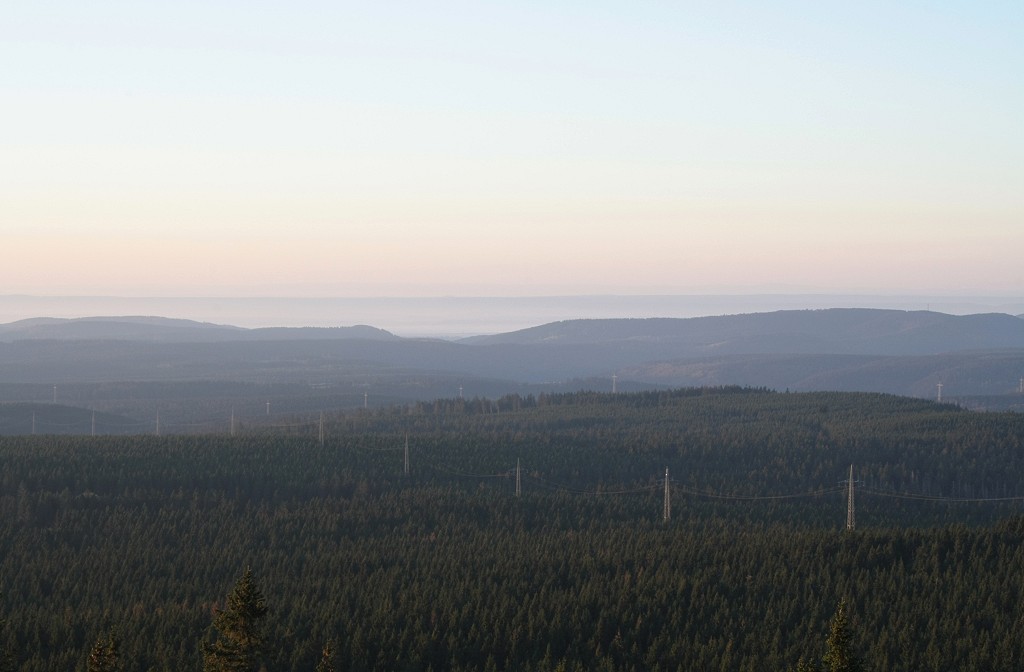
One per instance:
(839,654)
(326,663)
(238,645)
(7,657)
(104,656)
(804,666)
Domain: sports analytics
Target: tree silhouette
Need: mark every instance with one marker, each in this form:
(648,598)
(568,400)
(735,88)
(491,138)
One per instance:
(839,655)
(239,643)
(104,656)
(326,663)
(7,657)
(803,666)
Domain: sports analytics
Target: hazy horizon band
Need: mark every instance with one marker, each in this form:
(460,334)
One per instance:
(454,316)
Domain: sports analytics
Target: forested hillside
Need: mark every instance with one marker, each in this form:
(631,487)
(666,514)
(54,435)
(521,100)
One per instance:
(164,365)
(448,567)
(839,331)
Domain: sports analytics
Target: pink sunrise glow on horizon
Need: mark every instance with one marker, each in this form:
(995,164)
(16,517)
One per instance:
(183,149)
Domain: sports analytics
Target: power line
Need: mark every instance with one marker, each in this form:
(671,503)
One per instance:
(754,498)
(937,498)
(467,474)
(576,491)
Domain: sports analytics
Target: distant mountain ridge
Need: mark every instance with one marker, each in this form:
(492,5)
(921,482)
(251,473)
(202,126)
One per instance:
(831,331)
(837,331)
(162,329)
(869,350)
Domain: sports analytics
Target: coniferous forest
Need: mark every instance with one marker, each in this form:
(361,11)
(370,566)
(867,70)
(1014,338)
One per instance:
(526,533)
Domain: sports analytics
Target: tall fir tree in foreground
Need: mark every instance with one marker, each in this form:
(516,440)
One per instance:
(239,641)
(104,655)
(839,654)
(326,663)
(8,661)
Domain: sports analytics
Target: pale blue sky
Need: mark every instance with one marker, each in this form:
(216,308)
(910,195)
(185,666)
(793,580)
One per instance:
(223,148)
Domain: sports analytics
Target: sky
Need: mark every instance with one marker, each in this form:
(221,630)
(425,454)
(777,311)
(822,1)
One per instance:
(500,149)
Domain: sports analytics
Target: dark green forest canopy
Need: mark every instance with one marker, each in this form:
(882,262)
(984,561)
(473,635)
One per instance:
(445,567)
